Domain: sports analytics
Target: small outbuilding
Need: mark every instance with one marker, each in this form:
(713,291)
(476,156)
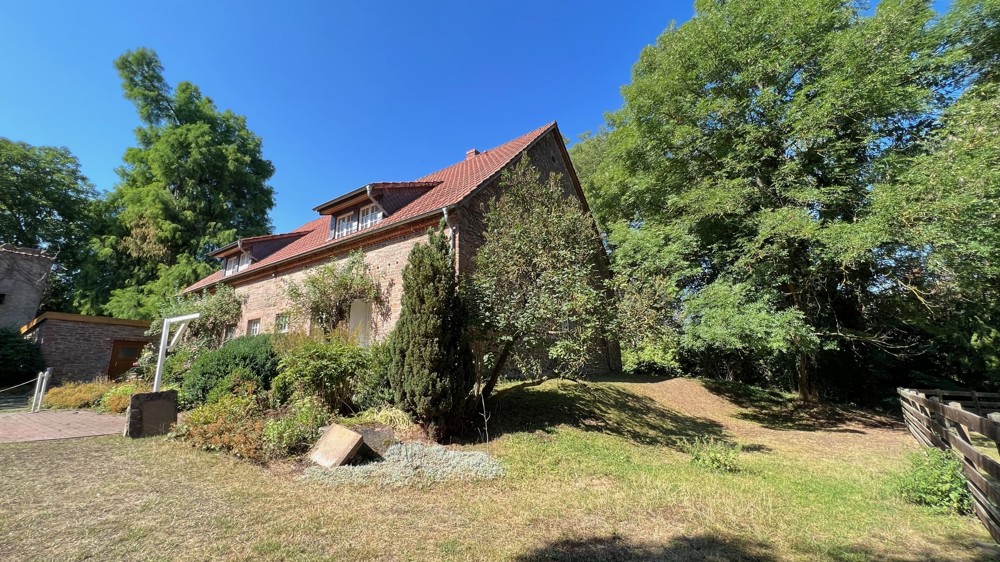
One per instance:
(87,348)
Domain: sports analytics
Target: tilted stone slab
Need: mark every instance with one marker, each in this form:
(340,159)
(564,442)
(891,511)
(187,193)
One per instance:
(151,413)
(337,446)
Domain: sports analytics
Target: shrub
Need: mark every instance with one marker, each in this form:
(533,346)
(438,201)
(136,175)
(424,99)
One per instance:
(371,385)
(713,453)
(298,426)
(21,359)
(76,395)
(254,356)
(117,399)
(232,424)
(432,372)
(934,478)
(324,369)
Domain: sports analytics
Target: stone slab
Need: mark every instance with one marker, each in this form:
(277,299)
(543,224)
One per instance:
(57,424)
(151,413)
(337,446)
(377,440)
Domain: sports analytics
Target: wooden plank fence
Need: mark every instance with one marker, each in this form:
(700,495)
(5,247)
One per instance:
(949,425)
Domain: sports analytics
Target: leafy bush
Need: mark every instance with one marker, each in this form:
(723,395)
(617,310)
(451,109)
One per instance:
(934,478)
(252,356)
(713,453)
(324,369)
(76,395)
(117,399)
(298,426)
(21,359)
(371,385)
(233,424)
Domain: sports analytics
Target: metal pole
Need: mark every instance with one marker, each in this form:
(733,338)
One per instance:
(35,400)
(164,341)
(45,385)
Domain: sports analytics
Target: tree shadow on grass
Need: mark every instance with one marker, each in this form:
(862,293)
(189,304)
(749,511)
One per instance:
(616,549)
(599,408)
(775,410)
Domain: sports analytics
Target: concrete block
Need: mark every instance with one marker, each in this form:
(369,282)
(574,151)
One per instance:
(337,446)
(151,413)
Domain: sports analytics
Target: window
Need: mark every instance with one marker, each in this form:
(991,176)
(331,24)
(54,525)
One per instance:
(2,297)
(236,264)
(360,324)
(253,327)
(370,215)
(230,332)
(346,224)
(281,323)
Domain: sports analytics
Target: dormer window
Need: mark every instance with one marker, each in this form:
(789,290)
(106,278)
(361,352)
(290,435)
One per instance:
(346,224)
(370,215)
(236,264)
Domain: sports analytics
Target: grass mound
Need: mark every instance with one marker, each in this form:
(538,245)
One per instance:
(413,463)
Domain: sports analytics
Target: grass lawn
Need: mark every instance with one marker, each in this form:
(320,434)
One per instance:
(594,471)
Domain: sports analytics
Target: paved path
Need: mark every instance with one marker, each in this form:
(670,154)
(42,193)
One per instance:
(57,424)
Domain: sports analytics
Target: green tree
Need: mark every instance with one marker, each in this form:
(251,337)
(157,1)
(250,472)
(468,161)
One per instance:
(196,181)
(47,203)
(537,286)
(744,159)
(432,374)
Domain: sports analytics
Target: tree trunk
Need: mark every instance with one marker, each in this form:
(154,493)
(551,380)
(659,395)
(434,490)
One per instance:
(808,390)
(498,366)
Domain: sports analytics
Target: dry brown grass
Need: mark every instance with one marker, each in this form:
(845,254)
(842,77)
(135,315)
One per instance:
(76,395)
(593,472)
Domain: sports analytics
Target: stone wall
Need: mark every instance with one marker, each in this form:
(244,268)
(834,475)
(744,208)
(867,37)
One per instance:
(81,350)
(23,277)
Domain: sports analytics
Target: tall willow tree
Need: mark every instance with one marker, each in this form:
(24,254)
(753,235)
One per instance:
(737,180)
(196,180)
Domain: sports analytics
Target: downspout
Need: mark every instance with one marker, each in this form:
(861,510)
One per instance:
(368,192)
(452,236)
(452,228)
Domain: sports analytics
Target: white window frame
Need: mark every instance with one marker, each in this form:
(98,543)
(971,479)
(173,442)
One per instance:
(368,216)
(253,327)
(346,225)
(232,265)
(282,321)
(244,262)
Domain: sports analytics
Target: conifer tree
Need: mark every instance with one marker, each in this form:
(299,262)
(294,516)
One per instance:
(432,373)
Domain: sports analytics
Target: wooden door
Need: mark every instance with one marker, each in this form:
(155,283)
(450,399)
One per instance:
(124,354)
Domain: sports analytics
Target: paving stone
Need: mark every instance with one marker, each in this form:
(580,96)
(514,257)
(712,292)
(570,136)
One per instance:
(337,446)
(57,424)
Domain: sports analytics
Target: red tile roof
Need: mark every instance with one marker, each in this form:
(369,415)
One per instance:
(457,182)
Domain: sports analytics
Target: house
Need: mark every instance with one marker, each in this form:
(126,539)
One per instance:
(24,274)
(87,348)
(385,220)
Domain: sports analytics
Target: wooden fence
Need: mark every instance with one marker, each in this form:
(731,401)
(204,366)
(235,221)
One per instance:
(942,419)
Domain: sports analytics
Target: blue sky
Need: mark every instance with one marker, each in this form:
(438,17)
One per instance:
(342,95)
